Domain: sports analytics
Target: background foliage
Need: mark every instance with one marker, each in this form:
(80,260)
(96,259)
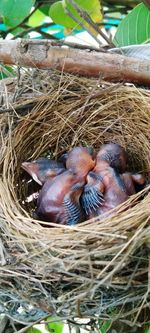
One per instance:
(48,19)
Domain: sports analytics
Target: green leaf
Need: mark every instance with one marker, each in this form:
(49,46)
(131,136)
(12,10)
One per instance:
(58,12)
(93,8)
(106,325)
(55,327)
(147,328)
(134,28)
(14,11)
(36,19)
(6,71)
(33,330)
(58,15)
(45,9)
(17,31)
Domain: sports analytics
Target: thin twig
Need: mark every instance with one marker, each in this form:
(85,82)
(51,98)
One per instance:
(36,29)
(145,296)
(82,25)
(88,19)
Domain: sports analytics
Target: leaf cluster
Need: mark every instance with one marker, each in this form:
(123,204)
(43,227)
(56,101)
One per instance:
(53,19)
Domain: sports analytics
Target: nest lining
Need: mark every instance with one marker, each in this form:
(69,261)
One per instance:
(95,265)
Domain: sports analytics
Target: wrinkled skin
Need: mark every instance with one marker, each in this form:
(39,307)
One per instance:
(80,160)
(114,155)
(58,201)
(134,182)
(111,160)
(43,168)
(106,189)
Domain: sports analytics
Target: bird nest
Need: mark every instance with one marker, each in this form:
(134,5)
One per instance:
(97,268)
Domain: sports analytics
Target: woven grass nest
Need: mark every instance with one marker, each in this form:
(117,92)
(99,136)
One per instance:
(94,267)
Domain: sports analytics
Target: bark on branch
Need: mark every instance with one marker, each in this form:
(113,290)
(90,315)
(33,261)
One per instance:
(47,54)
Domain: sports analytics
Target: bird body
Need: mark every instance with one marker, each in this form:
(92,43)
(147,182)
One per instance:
(59,200)
(134,182)
(105,187)
(105,190)
(89,185)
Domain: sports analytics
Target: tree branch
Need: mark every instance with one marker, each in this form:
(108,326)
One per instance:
(80,23)
(46,54)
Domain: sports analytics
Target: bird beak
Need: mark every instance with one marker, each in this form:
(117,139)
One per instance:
(27,166)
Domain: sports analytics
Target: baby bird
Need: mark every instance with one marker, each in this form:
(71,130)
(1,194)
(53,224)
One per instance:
(42,168)
(58,200)
(114,155)
(105,190)
(80,161)
(134,182)
(110,160)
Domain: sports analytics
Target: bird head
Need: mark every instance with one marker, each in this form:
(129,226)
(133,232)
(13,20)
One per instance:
(43,168)
(80,160)
(114,155)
